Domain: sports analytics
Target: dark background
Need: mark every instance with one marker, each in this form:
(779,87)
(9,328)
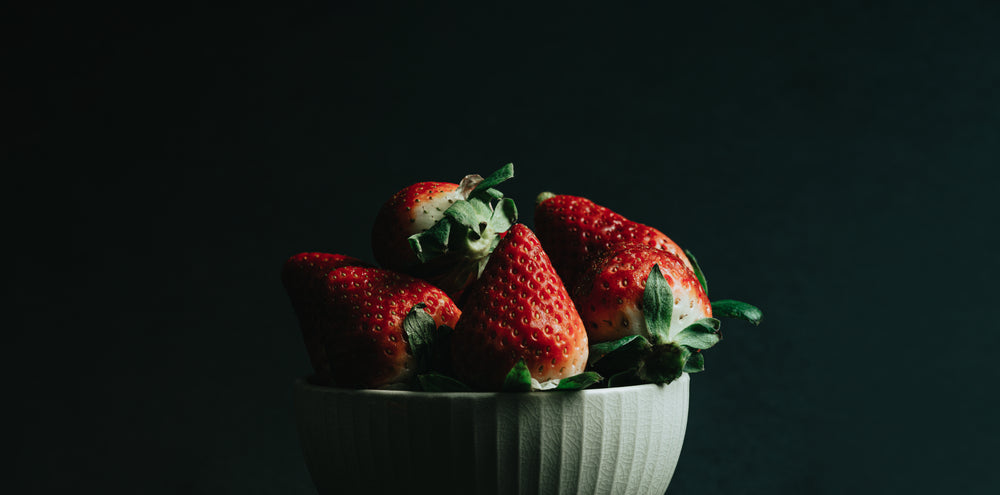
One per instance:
(833,163)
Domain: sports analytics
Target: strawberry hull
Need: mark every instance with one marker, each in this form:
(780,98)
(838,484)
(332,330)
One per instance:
(410,211)
(443,232)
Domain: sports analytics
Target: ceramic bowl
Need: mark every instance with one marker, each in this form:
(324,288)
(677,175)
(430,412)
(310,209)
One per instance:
(614,440)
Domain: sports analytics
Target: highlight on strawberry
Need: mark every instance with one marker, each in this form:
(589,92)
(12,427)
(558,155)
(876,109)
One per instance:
(444,232)
(575,229)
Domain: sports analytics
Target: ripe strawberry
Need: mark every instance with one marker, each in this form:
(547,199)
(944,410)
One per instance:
(609,296)
(412,210)
(641,297)
(518,309)
(362,332)
(304,278)
(573,229)
(443,232)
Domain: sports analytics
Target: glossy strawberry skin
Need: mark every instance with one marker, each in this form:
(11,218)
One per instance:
(304,277)
(518,309)
(409,211)
(573,229)
(609,293)
(363,334)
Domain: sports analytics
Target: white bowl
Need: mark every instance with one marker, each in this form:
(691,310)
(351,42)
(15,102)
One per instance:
(614,440)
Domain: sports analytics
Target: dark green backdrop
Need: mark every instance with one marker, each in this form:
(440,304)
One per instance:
(833,163)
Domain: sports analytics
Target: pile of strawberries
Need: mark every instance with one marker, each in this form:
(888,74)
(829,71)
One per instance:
(466,298)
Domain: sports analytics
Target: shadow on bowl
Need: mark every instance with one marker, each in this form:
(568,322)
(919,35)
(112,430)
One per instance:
(614,440)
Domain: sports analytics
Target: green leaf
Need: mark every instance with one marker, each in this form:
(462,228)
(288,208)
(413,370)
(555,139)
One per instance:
(697,271)
(695,363)
(701,334)
(466,213)
(665,363)
(579,382)
(728,308)
(619,353)
(432,242)
(436,382)
(624,355)
(420,333)
(491,194)
(624,378)
(518,379)
(657,305)
(504,216)
(504,173)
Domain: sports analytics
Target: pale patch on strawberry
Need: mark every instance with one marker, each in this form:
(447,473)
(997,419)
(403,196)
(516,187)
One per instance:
(430,209)
(609,296)
(443,232)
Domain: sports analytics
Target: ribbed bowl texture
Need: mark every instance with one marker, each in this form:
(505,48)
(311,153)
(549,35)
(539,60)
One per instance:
(623,440)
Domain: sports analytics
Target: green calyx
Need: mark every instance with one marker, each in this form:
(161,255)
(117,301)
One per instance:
(518,379)
(462,241)
(438,382)
(728,308)
(667,353)
(664,363)
(697,271)
(580,381)
(657,305)
(428,343)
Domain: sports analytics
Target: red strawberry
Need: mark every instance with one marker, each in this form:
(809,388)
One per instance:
(573,229)
(412,210)
(363,331)
(648,301)
(443,232)
(518,309)
(304,278)
(609,296)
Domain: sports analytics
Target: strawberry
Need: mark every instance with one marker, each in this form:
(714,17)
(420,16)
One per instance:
(641,297)
(304,278)
(518,310)
(366,330)
(609,296)
(573,229)
(443,232)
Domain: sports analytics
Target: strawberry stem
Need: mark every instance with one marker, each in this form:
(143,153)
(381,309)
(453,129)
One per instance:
(451,252)
(665,363)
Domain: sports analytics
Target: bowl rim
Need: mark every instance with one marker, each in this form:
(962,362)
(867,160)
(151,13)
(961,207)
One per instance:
(305,384)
